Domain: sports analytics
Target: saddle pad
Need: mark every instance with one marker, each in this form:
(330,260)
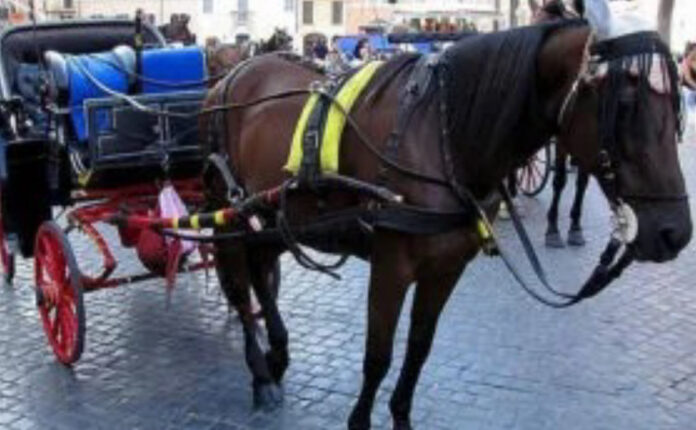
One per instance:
(333,125)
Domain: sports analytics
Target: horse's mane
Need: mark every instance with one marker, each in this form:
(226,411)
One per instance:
(491,94)
(388,73)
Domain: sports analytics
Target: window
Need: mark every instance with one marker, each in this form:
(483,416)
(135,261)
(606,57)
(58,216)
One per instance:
(308,12)
(242,12)
(337,12)
(68,4)
(207,6)
(289,5)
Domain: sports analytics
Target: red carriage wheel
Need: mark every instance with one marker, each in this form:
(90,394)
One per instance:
(6,256)
(533,176)
(59,293)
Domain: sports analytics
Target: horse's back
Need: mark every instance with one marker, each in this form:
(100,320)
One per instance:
(259,136)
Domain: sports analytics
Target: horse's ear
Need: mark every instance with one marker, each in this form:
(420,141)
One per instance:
(579,6)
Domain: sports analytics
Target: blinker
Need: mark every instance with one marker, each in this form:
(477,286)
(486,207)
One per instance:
(625,223)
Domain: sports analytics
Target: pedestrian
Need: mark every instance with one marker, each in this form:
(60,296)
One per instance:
(336,62)
(361,53)
(688,73)
(688,79)
(320,50)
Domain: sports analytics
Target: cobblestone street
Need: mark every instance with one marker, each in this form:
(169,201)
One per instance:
(624,360)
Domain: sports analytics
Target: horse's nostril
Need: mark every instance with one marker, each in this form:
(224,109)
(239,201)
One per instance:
(670,238)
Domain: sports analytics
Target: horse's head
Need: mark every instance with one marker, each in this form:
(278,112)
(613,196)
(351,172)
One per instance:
(279,41)
(618,112)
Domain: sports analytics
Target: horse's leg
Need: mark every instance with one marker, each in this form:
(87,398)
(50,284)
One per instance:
(389,281)
(553,236)
(235,282)
(575,235)
(262,268)
(431,294)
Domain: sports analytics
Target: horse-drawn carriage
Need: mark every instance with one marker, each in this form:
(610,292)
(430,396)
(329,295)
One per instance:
(412,195)
(74,135)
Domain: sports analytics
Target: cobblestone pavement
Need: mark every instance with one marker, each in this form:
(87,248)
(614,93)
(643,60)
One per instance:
(625,360)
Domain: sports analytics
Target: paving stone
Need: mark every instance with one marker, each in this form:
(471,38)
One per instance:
(623,360)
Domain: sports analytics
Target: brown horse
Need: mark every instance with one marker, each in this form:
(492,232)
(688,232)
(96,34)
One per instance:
(502,97)
(223,57)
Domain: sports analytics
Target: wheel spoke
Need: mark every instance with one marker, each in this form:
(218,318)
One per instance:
(61,307)
(530,183)
(537,170)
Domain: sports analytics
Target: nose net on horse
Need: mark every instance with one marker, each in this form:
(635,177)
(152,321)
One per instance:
(641,56)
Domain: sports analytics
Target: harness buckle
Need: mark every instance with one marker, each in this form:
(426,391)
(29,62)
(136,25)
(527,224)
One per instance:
(488,244)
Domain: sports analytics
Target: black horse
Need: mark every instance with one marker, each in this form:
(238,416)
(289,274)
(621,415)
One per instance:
(560,177)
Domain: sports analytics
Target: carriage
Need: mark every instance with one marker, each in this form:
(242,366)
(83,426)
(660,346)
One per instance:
(74,135)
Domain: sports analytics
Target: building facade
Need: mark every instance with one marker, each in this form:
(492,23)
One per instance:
(434,15)
(304,19)
(224,19)
(322,17)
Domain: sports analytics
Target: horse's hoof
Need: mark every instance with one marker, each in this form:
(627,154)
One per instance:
(576,238)
(267,397)
(358,421)
(554,240)
(277,364)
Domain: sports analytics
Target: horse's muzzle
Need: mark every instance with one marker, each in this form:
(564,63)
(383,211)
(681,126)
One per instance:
(664,230)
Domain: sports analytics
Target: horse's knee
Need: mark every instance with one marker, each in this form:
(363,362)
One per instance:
(376,366)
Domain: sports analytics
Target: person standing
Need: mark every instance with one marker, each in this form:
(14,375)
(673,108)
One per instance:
(688,79)
(320,50)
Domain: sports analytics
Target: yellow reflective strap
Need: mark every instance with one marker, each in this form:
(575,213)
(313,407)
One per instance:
(195,222)
(84,177)
(219,218)
(483,230)
(175,223)
(295,157)
(336,120)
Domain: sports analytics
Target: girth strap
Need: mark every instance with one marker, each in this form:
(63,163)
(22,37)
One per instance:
(310,167)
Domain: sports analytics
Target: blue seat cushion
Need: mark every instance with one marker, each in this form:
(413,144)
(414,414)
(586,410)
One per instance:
(69,74)
(82,87)
(177,67)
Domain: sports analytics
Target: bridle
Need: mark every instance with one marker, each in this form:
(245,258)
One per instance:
(619,252)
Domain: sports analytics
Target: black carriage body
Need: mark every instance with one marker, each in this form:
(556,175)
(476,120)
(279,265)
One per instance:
(133,142)
(36,172)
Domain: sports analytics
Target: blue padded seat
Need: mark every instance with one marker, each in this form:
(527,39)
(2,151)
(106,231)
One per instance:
(112,69)
(177,67)
(164,70)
